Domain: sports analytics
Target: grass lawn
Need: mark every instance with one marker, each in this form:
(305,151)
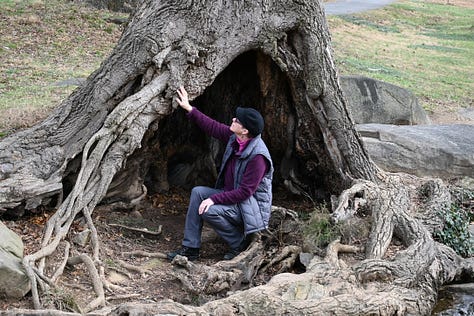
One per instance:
(425,46)
(43,43)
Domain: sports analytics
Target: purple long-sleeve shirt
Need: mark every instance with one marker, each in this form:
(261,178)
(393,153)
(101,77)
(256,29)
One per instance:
(253,174)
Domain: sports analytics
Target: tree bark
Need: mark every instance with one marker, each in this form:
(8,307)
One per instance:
(118,137)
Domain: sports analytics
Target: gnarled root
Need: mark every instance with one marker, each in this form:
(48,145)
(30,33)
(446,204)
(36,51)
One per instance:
(386,282)
(221,277)
(96,281)
(103,155)
(241,271)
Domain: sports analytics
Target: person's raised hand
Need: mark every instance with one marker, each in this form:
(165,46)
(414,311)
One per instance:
(183,100)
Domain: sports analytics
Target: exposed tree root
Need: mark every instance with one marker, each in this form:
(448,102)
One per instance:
(132,267)
(124,296)
(333,250)
(104,154)
(221,277)
(42,312)
(285,259)
(96,281)
(288,41)
(406,284)
(240,272)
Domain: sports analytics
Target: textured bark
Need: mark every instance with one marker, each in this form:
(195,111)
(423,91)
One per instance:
(118,136)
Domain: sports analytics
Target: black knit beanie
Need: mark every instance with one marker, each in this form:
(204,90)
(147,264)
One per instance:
(251,119)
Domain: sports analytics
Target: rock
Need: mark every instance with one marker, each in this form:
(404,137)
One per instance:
(445,151)
(456,299)
(462,287)
(13,280)
(126,6)
(10,242)
(465,182)
(305,259)
(117,278)
(374,101)
(118,20)
(82,238)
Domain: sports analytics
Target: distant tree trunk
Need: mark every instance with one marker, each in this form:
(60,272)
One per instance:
(118,137)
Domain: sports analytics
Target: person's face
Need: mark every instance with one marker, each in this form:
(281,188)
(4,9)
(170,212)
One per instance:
(238,128)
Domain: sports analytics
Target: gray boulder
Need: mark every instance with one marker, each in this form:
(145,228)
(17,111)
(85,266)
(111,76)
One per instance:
(375,101)
(445,151)
(13,280)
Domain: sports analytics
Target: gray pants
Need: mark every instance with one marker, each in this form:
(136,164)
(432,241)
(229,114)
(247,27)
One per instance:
(226,220)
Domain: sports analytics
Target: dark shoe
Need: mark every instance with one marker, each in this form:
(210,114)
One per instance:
(188,252)
(234,252)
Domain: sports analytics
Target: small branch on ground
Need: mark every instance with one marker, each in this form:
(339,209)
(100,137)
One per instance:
(140,230)
(143,253)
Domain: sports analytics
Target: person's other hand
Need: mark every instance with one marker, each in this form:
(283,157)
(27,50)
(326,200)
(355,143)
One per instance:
(205,206)
(183,100)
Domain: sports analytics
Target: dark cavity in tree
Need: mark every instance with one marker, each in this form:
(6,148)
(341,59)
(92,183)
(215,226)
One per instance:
(251,80)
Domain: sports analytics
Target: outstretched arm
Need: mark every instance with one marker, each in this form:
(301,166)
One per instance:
(208,125)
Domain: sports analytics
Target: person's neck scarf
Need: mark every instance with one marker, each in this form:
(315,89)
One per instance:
(242,144)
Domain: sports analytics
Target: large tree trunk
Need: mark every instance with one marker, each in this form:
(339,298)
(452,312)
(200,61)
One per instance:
(118,137)
(249,53)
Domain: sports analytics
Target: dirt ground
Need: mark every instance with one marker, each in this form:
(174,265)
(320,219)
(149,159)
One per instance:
(165,212)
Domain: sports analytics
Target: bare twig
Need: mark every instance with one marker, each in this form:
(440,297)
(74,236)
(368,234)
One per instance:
(141,230)
(142,253)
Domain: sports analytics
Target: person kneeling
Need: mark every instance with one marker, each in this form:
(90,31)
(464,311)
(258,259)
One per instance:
(240,203)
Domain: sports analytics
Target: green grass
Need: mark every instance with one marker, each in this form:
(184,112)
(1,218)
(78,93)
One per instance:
(43,42)
(319,230)
(435,47)
(423,46)
(374,25)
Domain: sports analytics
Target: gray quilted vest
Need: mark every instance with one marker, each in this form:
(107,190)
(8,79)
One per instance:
(256,209)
